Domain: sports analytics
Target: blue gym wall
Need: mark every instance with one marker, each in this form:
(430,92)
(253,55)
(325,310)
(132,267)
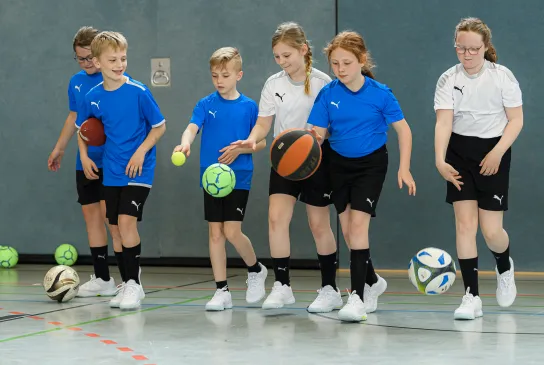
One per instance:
(410,41)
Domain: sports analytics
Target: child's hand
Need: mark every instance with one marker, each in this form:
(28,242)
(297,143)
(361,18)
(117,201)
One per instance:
(230,153)
(53,163)
(316,134)
(135,165)
(248,143)
(406,177)
(185,148)
(89,168)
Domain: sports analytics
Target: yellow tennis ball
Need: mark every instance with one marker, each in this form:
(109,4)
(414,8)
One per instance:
(178,158)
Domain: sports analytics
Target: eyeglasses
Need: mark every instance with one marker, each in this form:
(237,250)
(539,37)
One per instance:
(81,59)
(472,51)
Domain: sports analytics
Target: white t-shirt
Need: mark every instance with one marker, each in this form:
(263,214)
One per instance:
(285,98)
(478,101)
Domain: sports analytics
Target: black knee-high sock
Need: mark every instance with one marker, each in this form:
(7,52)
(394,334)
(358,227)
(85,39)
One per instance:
(121,265)
(503,260)
(358,269)
(132,262)
(371,277)
(100,262)
(281,270)
(469,271)
(327,264)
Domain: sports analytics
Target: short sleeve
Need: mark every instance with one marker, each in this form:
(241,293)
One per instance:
(443,95)
(72,103)
(150,109)
(254,114)
(319,115)
(84,112)
(391,108)
(266,104)
(199,114)
(510,91)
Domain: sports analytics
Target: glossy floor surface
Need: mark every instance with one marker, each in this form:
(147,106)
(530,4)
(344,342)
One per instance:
(172,326)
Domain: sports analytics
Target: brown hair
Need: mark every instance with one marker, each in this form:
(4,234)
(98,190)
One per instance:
(104,40)
(84,37)
(477,26)
(353,42)
(293,35)
(224,55)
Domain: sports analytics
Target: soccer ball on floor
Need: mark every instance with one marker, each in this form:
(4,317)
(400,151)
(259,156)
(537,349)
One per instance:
(432,271)
(218,180)
(66,254)
(61,283)
(8,257)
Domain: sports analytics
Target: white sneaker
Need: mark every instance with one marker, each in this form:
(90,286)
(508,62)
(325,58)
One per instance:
(222,299)
(372,293)
(280,296)
(97,287)
(470,308)
(133,293)
(115,302)
(256,285)
(354,310)
(327,300)
(506,286)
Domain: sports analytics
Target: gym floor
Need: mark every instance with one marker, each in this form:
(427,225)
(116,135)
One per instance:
(173,328)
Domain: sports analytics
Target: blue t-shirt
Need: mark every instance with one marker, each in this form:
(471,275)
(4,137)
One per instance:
(128,114)
(223,122)
(79,86)
(357,121)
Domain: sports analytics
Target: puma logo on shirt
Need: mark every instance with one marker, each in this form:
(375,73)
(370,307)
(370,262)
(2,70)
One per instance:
(280,96)
(459,89)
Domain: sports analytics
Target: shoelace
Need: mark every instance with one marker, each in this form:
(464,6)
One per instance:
(467,299)
(131,290)
(505,280)
(252,280)
(324,295)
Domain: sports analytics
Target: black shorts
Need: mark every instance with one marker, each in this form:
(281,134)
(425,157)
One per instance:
(230,208)
(315,190)
(89,191)
(465,154)
(128,200)
(358,181)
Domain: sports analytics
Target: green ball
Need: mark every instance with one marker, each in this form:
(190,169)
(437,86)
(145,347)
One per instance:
(8,257)
(178,158)
(218,180)
(66,254)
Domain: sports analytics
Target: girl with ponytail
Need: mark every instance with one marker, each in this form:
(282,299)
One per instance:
(286,100)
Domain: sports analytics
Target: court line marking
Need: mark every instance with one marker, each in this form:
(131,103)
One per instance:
(107,300)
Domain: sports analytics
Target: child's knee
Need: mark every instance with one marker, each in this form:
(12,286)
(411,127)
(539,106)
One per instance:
(233,231)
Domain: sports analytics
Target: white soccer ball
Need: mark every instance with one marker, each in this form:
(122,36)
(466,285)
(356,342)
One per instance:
(432,271)
(61,283)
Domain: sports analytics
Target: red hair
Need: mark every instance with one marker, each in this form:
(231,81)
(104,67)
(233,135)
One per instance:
(353,42)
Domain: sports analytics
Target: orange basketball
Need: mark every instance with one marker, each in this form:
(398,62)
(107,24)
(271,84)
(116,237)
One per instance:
(295,154)
(92,132)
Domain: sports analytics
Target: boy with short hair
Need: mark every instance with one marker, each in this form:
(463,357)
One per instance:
(226,116)
(90,192)
(133,124)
